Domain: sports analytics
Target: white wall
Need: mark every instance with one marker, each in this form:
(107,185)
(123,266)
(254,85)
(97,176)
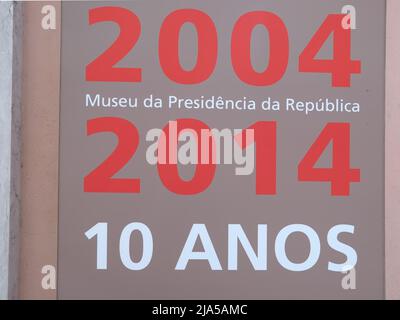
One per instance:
(10,38)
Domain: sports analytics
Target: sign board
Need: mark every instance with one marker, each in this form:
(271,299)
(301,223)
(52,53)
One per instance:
(222,149)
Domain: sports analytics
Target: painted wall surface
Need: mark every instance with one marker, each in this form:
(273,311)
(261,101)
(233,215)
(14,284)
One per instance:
(393,151)
(40,151)
(41,51)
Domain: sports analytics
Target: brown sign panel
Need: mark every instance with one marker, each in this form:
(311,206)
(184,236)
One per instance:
(222,150)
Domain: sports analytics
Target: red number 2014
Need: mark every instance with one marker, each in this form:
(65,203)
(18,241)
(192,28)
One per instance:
(340,175)
(341,67)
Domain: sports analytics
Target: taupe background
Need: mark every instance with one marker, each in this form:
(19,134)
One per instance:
(229,199)
(39,206)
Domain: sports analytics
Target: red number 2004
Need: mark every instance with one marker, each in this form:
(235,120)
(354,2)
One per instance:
(341,67)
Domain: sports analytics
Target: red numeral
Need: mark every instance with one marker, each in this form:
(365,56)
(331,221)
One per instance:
(340,175)
(100,180)
(278,52)
(204,173)
(169,46)
(265,140)
(341,66)
(102,68)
